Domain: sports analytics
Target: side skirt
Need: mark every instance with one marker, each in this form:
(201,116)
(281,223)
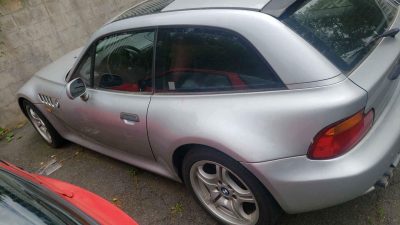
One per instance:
(145,164)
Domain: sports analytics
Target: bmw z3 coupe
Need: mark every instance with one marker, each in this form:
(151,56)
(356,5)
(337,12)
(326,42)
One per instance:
(256,105)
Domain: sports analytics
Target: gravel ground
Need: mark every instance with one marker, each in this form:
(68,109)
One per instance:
(148,197)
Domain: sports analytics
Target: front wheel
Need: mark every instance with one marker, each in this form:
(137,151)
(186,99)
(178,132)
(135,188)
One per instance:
(227,190)
(42,125)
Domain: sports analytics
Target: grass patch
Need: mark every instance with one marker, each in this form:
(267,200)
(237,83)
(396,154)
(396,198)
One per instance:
(134,172)
(177,209)
(381,213)
(3,130)
(10,136)
(369,220)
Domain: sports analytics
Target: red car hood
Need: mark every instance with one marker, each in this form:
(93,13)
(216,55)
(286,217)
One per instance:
(94,206)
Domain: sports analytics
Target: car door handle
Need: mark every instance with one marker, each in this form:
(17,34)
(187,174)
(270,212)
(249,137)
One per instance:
(129,118)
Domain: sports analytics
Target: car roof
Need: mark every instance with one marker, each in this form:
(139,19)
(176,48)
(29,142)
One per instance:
(143,8)
(196,4)
(273,39)
(272,7)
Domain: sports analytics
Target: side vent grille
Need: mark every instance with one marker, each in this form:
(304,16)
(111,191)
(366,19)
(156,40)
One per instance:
(46,100)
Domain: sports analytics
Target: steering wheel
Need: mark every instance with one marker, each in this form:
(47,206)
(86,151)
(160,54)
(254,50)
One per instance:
(123,55)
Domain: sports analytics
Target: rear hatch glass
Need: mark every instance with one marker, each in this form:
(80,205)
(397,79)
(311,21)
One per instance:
(340,28)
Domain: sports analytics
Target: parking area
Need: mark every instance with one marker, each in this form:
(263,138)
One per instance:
(151,199)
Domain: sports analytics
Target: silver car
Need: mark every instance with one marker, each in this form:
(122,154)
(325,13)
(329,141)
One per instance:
(256,105)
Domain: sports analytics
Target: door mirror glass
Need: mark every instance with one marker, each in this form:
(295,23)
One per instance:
(108,81)
(76,88)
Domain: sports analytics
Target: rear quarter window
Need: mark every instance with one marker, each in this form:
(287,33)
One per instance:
(198,59)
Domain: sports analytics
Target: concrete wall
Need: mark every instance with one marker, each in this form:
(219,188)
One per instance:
(38,32)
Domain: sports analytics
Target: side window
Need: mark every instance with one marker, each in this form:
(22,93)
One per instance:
(84,69)
(124,62)
(209,60)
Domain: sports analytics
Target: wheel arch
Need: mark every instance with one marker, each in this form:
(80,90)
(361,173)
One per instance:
(21,105)
(182,147)
(178,156)
(180,153)
(183,150)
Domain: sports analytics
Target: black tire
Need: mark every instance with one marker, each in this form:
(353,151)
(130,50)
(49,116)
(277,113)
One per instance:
(269,210)
(56,139)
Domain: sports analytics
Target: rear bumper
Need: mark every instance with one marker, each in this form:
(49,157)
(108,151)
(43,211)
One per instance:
(300,184)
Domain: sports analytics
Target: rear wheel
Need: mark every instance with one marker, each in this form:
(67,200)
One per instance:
(42,125)
(227,190)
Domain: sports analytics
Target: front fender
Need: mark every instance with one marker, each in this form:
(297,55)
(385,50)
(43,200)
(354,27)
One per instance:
(31,90)
(37,85)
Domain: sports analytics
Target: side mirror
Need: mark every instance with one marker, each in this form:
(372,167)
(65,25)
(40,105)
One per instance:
(77,88)
(108,81)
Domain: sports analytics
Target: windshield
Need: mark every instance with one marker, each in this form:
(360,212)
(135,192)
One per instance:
(339,28)
(23,203)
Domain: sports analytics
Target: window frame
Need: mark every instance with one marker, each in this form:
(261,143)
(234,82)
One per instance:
(229,31)
(70,74)
(156,32)
(94,45)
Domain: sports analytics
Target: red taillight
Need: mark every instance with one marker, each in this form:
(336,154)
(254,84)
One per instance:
(340,137)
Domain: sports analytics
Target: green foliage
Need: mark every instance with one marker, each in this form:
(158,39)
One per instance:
(381,213)
(369,220)
(177,209)
(10,136)
(19,136)
(134,171)
(2,130)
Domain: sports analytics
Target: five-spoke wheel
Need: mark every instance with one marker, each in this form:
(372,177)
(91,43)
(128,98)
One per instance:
(38,124)
(224,193)
(42,125)
(226,189)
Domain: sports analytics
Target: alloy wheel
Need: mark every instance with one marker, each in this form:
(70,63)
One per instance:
(224,193)
(39,124)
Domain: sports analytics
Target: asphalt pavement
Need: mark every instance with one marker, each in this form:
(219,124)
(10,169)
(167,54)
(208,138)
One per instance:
(152,199)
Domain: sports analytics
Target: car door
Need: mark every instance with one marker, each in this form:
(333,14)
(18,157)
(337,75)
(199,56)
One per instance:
(115,69)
